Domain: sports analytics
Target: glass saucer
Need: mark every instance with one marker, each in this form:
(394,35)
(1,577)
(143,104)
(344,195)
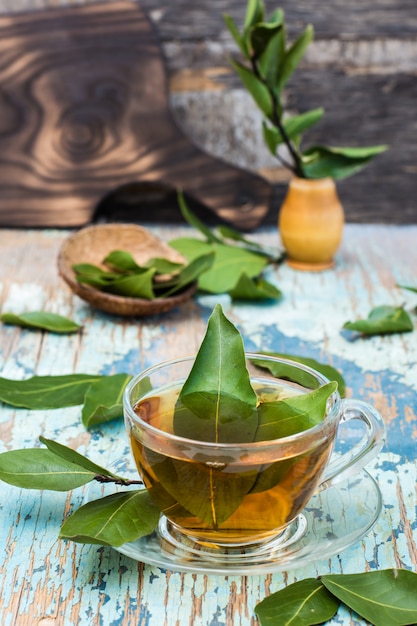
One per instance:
(334,520)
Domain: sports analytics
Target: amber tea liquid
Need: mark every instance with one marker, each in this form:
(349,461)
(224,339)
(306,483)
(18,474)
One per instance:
(236,500)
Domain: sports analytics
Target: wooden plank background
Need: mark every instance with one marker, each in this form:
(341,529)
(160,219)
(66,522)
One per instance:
(361,67)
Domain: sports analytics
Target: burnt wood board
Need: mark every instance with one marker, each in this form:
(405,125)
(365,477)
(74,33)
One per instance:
(84,111)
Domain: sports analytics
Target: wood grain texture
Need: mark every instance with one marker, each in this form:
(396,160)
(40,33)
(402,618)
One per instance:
(84,111)
(47,582)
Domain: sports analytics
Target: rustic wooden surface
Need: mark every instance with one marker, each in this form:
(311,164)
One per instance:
(361,68)
(47,582)
(84,111)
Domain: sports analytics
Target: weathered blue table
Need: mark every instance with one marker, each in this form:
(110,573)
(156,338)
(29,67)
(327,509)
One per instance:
(46,581)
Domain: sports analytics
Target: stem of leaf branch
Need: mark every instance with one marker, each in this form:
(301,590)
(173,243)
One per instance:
(297,168)
(117,481)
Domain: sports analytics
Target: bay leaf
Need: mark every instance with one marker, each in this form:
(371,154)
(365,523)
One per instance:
(381,597)
(202,489)
(304,603)
(188,274)
(254,289)
(228,265)
(39,468)
(414,289)
(383,320)
(113,520)
(190,247)
(283,418)
(75,457)
(41,320)
(218,389)
(121,261)
(164,266)
(227,232)
(323,368)
(103,401)
(138,285)
(46,392)
(193,220)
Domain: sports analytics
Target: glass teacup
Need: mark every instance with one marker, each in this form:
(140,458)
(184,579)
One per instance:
(234,497)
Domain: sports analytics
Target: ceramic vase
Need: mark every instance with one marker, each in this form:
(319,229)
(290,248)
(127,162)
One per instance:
(311,223)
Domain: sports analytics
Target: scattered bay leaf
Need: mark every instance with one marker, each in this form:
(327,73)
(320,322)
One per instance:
(254,289)
(46,392)
(41,320)
(383,320)
(113,520)
(104,400)
(304,603)
(414,289)
(75,457)
(37,468)
(381,597)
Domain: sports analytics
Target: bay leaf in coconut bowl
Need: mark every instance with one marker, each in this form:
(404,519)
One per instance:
(92,244)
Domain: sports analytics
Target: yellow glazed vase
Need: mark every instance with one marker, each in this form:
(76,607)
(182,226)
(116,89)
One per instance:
(311,223)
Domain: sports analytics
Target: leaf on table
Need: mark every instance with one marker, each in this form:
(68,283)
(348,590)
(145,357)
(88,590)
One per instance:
(104,400)
(254,289)
(75,457)
(230,233)
(383,320)
(218,389)
(381,597)
(41,320)
(37,468)
(408,288)
(280,371)
(46,392)
(304,603)
(113,520)
(283,418)
(228,265)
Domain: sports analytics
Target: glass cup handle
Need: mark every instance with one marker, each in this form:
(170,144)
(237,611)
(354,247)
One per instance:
(350,463)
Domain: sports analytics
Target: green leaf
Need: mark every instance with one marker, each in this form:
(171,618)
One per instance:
(122,261)
(381,597)
(294,54)
(104,400)
(218,389)
(41,319)
(303,603)
(255,87)
(255,12)
(337,163)
(283,418)
(37,468)
(164,266)
(114,520)
(189,274)
(261,35)
(193,220)
(272,60)
(46,392)
(227,232)
(323,368)
(75,457)
(383,320)
(234,31)
(229,263)
(407,287)
(254,289)
(138,285)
